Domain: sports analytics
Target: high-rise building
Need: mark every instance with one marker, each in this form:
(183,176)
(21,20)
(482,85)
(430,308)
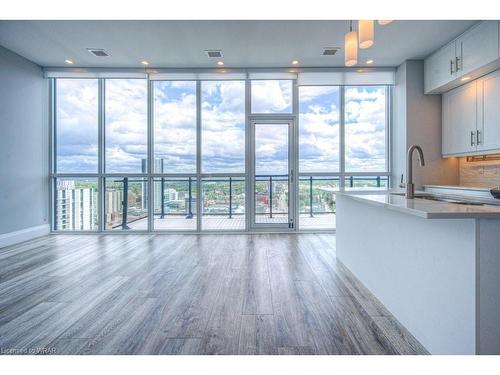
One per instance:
(75,207)
(114,208)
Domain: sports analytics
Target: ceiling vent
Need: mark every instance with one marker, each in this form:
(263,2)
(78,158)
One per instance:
(98,52)
(214,53)
(330,51)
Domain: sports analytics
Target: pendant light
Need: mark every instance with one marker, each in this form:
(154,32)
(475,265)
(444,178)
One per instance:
(366,33)
(384,22)
(351,47)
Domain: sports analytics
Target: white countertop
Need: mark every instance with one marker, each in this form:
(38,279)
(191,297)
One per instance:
(424,208)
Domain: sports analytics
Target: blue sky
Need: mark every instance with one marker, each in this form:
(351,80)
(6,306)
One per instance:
(223,126)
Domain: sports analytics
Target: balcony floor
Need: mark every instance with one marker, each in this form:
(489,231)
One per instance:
(223,223)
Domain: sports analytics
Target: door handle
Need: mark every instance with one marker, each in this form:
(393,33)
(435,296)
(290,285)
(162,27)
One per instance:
(472,142)
(451,66)
(478,137)
(291,176)
(457,64)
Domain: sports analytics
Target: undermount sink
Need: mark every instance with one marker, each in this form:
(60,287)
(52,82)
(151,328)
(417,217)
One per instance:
(441,199)
(450,200)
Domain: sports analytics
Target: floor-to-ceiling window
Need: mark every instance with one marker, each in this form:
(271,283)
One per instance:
(196,135)
(319,155)
(175,155)
(223,155)
(75,147)
(125,124)
(366,134)
(343,144)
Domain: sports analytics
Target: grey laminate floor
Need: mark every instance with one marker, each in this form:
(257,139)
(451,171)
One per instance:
(189,294)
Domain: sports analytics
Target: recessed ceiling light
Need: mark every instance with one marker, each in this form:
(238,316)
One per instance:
(68,61)
(369,61)
(466,78)
(295,62)
(220,63)
(144,62)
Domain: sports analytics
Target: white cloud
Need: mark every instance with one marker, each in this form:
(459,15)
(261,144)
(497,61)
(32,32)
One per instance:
(271,96)
(365,129)
(318,129)
(223,125)
(175,126)
(126,124)
(77,124)
(312,93)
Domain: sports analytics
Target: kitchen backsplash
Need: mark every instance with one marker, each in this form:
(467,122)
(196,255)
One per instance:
(479,173)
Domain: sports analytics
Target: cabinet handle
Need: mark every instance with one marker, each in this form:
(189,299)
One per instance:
(472,134)
(457,64)
(478,137)
(451,66)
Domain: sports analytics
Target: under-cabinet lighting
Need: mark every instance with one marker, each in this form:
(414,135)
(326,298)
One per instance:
(466,78)
(483,157)
(68,61)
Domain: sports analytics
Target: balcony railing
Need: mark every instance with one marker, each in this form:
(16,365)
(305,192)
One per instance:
(350,182)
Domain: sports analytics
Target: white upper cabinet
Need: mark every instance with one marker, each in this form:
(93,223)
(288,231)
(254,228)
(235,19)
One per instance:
(440,67)
(471,118)
(473,54)
(459,120)
(488,132)
(477,47)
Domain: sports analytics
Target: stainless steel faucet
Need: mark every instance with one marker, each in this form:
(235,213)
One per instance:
(410,187)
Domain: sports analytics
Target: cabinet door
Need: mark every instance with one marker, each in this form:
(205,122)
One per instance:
(478,47)
(489,106)
(440,67)
(459,120)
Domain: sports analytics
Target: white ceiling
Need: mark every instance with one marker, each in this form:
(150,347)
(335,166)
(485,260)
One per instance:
(250,44)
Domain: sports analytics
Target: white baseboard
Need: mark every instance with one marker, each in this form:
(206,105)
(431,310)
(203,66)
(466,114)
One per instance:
(12,238)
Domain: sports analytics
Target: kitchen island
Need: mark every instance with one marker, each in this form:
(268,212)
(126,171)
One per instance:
(435,265)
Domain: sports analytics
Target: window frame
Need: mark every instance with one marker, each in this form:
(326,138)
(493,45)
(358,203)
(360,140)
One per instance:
(150,174)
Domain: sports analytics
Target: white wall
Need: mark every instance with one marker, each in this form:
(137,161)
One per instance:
(23,146)
(417,120)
